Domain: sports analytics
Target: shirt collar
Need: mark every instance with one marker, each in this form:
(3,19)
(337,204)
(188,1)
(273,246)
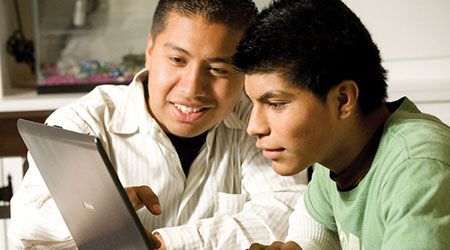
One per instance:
(131,109)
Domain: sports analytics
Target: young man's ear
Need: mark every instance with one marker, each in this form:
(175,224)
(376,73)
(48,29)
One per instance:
(148,51)
(346,94)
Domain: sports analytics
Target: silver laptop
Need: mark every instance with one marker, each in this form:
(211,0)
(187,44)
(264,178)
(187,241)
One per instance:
(85,188)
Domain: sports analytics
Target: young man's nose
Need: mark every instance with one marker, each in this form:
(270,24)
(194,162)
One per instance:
(257,125)
(193,82)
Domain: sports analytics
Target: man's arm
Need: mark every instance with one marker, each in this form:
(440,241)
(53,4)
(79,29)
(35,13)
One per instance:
(304,234)
(267,201)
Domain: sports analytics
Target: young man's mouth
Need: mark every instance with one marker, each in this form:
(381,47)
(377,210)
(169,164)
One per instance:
(272,153)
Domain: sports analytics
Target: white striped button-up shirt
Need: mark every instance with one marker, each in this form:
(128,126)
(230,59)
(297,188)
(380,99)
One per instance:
(231,197)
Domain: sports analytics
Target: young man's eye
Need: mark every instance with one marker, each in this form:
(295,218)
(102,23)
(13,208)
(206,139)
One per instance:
(218,71)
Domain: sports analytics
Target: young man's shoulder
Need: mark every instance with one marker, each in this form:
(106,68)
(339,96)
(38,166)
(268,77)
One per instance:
(416,135)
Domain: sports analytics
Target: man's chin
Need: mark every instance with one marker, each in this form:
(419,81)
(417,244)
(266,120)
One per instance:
(186,130)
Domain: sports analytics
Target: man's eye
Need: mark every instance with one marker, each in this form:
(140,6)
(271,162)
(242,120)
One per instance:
(277,105)
(176,60)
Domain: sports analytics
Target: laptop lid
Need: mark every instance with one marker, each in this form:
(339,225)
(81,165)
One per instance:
(85,188)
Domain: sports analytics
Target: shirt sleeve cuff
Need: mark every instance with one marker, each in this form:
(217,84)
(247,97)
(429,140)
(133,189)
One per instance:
(181,237)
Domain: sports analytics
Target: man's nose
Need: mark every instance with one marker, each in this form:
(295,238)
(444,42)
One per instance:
(194,82)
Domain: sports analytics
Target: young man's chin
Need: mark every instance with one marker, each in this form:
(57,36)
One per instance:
(285,169)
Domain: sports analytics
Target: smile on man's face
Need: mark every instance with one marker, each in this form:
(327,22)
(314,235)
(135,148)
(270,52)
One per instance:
(292,126)
(192,84)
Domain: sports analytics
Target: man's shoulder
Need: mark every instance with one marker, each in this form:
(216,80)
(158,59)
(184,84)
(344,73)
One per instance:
(93,106)
(243,108)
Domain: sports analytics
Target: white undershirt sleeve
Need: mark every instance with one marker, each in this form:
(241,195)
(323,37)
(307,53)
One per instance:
(308,233)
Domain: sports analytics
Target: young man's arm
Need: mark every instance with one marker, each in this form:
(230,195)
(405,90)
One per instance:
(308,233)
(416,207)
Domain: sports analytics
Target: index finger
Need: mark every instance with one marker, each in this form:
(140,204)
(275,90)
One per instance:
(149,199)
(257,246)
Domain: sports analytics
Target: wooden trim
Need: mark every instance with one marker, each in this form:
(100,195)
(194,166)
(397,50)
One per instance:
(5,212)
(11,143)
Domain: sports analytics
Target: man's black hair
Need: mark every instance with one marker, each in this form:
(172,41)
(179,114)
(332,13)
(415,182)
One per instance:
(237,14)
(315,45)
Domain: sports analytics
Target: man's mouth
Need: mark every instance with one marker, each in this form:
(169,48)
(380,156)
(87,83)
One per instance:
(188,110)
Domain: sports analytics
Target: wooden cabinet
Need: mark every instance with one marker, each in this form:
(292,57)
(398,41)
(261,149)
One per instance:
(11,143)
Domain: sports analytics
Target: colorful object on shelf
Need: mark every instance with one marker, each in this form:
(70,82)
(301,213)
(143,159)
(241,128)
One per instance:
(84,43)
(91,71)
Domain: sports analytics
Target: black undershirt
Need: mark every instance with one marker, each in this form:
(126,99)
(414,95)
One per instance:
(187,149)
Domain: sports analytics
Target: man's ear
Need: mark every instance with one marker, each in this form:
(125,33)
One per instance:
(346,94)
(148,51)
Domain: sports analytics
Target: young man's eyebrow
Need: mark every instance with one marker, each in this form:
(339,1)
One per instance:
(271,94)
(227,60)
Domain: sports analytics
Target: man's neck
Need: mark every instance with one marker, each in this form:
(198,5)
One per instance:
(187,148)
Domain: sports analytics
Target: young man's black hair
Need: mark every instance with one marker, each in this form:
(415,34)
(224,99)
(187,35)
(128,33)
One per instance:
(327,45)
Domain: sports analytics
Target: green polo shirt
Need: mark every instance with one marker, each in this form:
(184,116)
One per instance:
(403,202)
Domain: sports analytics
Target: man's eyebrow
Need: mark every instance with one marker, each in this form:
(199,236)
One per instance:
(227,60)
(174,47)
(271,94)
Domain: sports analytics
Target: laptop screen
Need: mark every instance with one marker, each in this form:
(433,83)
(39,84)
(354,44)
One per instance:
(85,188)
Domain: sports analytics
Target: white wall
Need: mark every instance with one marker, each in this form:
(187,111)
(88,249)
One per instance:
(407,29)
(414,39)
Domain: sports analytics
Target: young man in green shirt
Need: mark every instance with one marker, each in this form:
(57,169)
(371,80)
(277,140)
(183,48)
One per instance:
(382,170)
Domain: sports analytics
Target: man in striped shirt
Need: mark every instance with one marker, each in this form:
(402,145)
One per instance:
(176,137)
